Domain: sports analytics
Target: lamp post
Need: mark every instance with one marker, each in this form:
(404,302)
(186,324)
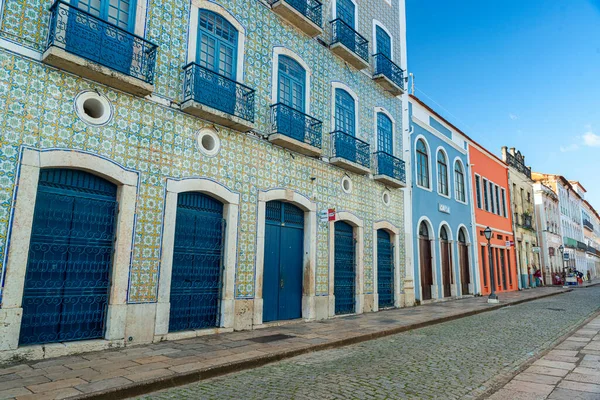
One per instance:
(561,248)
(492,298)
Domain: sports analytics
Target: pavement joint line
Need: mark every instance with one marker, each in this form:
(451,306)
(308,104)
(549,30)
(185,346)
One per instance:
(185,378)
(498,383)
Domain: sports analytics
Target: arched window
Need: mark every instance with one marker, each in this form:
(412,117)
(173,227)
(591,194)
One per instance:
(217,44)
(422,164)
(383,42)
(461,237)
(444,234)
(459,178)
(423,231)
(345,112)
(384,134)
(442,173)
(292,83)
(345,10)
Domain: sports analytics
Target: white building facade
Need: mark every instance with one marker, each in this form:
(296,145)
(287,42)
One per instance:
(549,230)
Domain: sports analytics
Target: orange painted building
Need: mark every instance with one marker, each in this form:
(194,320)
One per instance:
(491,201)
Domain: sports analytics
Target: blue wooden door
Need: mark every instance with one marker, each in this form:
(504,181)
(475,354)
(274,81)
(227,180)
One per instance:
(103,43)
(344,287)
(196,277)
(70,256)
(217,52)
(284,257)
(292,84)
(384,43)
(345,10)
(385,269)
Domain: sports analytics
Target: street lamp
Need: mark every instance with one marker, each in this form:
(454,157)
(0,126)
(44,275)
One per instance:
(561,248)
(492,298)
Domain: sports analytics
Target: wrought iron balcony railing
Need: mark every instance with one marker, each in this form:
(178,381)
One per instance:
(296,125)
(386,67)
(582,246)
(344,34)
(217,91)
(387,164)
(311,9)
(84,35)
(350,148)
(588,224)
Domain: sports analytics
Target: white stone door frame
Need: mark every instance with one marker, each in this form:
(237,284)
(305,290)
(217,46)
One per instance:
(231,203)
(471,288)
(434,285)
(358,231)
(395,239)
(310,250)
(32,161)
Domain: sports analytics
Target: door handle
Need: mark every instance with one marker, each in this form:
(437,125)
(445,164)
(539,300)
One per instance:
(281,283)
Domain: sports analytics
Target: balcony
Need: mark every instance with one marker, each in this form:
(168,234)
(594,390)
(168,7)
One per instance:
(216,98)
(582,246)
(570,243)
(85,45)
(295,130)
(349,45)
(350,153)
(389,170)
(388,75)
(306,15)
(588,225)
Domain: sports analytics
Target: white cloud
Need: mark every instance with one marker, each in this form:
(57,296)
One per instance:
(590,139)
(513,116)
(571,147)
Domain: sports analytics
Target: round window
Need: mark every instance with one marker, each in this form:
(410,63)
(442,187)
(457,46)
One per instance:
(93,108)
(386,198)
(208,141)
(346,185)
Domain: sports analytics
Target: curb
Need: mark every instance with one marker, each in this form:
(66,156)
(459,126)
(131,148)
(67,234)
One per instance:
(149,386)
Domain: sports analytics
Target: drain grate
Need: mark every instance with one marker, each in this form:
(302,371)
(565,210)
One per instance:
(270,338)
(556,309)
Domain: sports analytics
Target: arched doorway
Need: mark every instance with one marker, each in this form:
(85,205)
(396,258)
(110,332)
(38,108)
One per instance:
(385,269)
(425,261)
(67,279)
(445,255)
(284,251)
(196,277)
(463,253)
(344,268)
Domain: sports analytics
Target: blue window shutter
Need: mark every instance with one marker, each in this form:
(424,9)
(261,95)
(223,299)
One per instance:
(292,84)
(217,44)
(384,134)
(384,43)
(345,11)
(345,112)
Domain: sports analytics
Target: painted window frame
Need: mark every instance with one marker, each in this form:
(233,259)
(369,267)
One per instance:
(339,85)
(284,51)
(446,194)
(335,13)
(461,196)
(503,191)
(380,25)
(428,163)
(478,195)
(193,17)
(386,113)
(486,196)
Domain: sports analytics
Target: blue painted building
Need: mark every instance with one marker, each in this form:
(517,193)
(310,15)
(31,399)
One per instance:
(442,213)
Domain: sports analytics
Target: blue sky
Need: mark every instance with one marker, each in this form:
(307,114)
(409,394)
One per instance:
(516,73)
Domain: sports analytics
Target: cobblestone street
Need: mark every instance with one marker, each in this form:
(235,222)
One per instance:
(453,360)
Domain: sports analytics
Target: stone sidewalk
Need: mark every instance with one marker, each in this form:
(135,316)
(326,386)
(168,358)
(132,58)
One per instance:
(570,371)
(137,370)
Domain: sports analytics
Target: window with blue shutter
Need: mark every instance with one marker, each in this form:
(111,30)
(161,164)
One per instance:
(384,43)
(217,44)
(345,11)
(345,112)
(384,134)
(118,12)
(292,83)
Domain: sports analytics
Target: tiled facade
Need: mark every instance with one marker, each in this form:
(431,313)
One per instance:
(153,139)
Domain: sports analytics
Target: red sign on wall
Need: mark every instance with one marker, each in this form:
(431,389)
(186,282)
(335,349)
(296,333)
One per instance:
(331,214)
